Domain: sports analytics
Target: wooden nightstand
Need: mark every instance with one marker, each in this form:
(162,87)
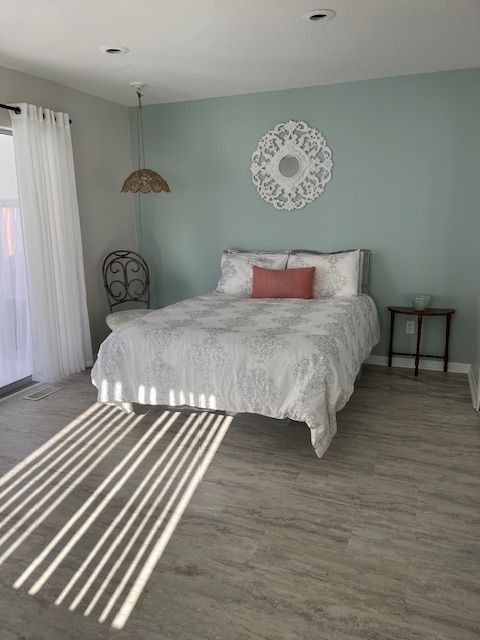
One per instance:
(410,311)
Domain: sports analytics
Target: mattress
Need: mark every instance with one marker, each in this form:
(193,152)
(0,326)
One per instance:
(283,358)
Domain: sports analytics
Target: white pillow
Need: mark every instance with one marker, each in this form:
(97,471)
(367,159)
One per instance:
(236,267)
(336,274)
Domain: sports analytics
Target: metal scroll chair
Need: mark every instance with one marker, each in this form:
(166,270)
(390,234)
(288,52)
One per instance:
(126,279)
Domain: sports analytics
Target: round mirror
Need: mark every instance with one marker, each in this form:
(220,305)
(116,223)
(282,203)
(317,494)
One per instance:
(289,166)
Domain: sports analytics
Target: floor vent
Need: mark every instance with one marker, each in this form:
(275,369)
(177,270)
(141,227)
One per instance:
(41,393)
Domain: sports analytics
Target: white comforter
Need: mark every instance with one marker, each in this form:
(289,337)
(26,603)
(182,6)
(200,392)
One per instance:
(279,358)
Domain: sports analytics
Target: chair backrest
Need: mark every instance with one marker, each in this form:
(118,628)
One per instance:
(126,278)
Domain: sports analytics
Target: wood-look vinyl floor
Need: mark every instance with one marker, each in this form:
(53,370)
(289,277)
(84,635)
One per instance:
(379,540)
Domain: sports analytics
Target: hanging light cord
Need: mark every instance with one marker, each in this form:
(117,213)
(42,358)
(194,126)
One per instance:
(141,156)
(141,144)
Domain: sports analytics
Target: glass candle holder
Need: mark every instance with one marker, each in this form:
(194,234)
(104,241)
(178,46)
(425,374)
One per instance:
(421,301)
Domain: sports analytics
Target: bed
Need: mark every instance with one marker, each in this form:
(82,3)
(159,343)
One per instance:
(282,358)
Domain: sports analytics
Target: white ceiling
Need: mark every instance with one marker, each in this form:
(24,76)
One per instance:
(203,48)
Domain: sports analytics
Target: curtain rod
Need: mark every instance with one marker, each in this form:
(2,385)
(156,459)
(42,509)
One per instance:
(17,110)
(9,108)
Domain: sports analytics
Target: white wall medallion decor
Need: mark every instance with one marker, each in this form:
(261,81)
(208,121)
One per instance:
(291,165)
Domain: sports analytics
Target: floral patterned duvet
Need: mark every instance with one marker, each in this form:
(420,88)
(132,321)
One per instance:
(275,357)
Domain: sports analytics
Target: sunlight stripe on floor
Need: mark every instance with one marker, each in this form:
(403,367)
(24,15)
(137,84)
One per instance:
(142,525)
(136,590)
(125,430)
(118,518)
(38,452)
(44,486)
(100,507)
(217,433)
(53,464)
(147,516)
(136,513)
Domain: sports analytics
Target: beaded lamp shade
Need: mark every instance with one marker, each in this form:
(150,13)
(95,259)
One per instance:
(146,181)
(143,180)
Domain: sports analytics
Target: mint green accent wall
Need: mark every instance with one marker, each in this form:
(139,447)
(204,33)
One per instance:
(405,184)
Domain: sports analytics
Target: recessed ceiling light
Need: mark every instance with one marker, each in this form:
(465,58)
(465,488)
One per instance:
(114,51)
(319,15)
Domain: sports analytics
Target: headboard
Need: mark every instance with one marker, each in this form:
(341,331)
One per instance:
(365,270)
(364,264)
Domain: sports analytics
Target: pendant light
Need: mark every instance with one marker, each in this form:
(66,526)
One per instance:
(143,179)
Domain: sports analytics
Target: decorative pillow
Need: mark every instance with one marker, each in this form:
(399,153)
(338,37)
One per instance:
(283,283)
(336,274)
(236,266)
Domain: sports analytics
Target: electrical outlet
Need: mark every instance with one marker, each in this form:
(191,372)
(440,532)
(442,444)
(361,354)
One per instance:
(410,327)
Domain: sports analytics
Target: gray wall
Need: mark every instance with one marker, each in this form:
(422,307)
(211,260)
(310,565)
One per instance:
(101,147)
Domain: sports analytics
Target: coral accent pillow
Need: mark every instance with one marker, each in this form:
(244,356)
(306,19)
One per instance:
(283,283)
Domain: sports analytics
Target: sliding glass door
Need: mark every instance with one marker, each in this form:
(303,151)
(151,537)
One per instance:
(15,337)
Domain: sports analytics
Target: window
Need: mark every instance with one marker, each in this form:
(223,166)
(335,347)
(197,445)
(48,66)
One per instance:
(15,336)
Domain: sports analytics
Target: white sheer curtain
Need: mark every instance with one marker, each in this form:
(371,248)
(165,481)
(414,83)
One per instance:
(61,342)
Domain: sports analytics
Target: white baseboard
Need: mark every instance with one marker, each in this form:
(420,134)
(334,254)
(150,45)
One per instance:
(429,364)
